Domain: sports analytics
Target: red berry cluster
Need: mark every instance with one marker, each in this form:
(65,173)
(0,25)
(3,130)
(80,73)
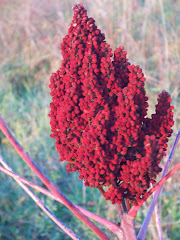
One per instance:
(98,115)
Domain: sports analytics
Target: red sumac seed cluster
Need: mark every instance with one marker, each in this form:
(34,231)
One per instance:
(99,115)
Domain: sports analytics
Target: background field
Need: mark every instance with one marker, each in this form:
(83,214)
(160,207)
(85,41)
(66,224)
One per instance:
(30,34)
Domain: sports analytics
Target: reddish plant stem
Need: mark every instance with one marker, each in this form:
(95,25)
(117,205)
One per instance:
(48,183)
(127,228)
(68,231)
(101,191)
(113,227)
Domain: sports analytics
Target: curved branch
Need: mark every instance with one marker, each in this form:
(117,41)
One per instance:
(48,183)
(68,231)
(113,227)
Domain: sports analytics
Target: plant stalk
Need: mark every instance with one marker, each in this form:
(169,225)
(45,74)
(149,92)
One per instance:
(113,227)
(48,183)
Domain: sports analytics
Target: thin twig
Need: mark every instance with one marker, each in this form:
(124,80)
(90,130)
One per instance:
(124,205)
(48,183)
(100,188)
(41,205)
(113,227)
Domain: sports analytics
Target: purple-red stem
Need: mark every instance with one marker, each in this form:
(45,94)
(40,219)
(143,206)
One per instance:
(48,183)
(113,227)
(127,223)
(68,231)
(127,228)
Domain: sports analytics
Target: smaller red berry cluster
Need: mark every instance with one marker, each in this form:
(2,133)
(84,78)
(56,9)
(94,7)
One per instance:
(98,115)
(162,121)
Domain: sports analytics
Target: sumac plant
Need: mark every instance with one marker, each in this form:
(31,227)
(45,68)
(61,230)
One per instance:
(99,120)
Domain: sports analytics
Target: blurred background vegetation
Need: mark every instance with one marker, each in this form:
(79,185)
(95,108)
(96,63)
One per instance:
(30,35)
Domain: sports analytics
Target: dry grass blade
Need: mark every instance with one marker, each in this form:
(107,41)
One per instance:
(158,222)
